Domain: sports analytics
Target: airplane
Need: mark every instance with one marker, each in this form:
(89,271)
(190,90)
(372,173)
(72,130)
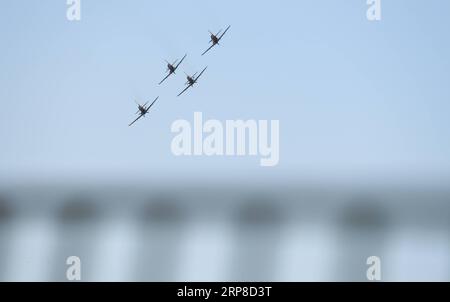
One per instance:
(215,39)
(171,68)
(143,110)
(191,80)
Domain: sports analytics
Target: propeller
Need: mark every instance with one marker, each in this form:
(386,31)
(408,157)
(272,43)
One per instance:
(139,105)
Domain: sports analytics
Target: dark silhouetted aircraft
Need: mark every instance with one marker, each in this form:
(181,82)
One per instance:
(143,110)
(171,68)
(215,39)
(191,80)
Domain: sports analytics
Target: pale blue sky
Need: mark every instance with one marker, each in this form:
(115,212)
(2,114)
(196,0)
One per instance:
(352,96)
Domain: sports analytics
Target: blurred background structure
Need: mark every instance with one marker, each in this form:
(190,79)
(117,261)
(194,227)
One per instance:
(223,233)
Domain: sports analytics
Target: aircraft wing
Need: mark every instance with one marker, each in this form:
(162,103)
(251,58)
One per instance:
(200,74)
(135,120)
(208,49)
(165,78)
(189,86)
(152,103)
(176,67)
(224,32)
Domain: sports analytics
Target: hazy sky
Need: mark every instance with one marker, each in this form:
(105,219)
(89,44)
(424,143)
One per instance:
(352,96)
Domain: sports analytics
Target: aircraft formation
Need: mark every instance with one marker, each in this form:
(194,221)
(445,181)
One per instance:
(172,68)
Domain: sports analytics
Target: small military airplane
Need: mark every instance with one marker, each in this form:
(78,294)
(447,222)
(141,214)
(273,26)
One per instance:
(191,80)
(143,110)
(171,68)
(215,39)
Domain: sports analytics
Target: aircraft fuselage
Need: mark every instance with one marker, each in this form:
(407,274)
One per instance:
(142,110)
(214,39)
